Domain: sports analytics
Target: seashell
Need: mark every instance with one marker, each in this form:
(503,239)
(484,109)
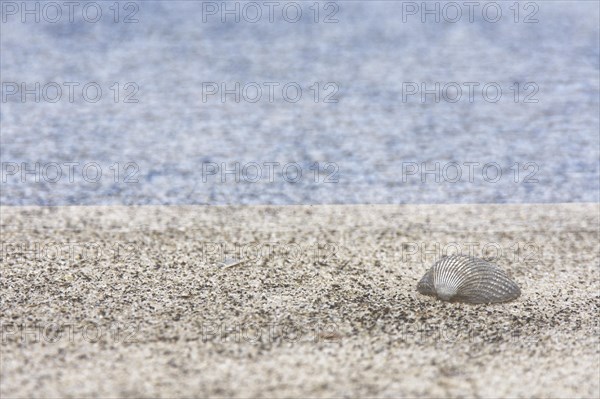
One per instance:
(460,278)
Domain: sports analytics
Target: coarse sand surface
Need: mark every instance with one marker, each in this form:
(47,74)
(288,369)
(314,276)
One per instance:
(291,301)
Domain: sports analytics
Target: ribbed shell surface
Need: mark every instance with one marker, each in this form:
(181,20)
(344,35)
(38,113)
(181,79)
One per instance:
(466,279)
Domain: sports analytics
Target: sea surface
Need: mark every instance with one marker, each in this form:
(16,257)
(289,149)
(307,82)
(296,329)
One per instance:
(347,102)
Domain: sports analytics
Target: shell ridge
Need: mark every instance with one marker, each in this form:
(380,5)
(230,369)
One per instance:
(447,280)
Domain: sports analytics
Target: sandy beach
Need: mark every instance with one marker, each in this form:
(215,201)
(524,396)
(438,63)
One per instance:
(290,301)
(238,199)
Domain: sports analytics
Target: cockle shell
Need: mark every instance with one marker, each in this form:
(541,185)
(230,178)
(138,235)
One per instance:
(460,278)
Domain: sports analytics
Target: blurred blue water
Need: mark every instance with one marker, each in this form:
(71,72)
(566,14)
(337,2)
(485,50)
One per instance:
(372,145)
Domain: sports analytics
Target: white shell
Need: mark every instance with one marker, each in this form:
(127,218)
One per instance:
(461,278)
